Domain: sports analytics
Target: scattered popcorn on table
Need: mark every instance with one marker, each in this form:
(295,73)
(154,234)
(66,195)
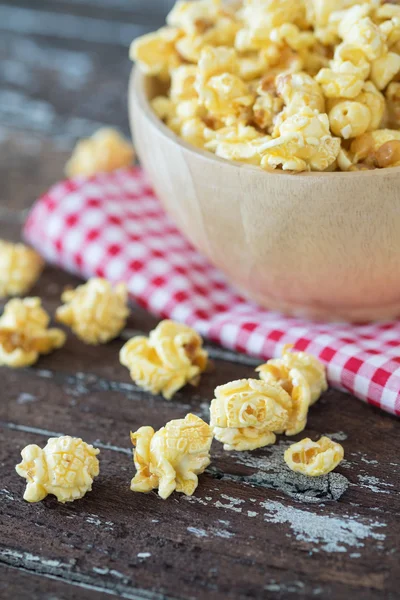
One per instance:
(245,414)
(65,467)
(314,458)
(106,150)
(24,333)
(310,76)
(171,458)
(20,268)
(168,359)
(95,311)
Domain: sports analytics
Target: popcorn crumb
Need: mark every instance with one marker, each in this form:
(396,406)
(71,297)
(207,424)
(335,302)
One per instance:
(171,458)
(65,467)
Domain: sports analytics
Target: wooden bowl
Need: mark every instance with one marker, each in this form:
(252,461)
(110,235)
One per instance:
(319,245)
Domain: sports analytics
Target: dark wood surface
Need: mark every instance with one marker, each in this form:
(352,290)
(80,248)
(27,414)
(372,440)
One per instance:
(251,530)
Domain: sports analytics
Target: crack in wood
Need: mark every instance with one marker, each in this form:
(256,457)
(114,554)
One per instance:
(17,561)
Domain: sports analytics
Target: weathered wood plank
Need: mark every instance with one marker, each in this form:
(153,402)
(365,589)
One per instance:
(46,23)
(20,583)
(134,11)
(29,166)
(258,539)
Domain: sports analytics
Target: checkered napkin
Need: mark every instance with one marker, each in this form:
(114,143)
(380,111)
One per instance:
(111,225)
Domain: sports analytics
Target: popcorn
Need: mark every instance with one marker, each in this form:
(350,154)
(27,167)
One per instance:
(20,268)
(237,142)
(226,96)
(168,359)
(182,83)
(304,144)
(95,311)
(266,109)
(384,69)
(314,458)
(378,149)
(106,150)
(349,119)
(350,59)
(290,34)
(339,85)
(298,91)
(246,414)
(194,131)
(277,370)
(171,458)
(307,75)
(155,53)
(194,17)
(65,467)
(24,333)
(367,36)
(302,376)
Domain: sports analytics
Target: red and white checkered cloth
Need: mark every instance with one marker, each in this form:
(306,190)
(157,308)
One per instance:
(111,225)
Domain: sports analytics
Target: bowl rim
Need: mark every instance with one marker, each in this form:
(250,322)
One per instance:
(136,86)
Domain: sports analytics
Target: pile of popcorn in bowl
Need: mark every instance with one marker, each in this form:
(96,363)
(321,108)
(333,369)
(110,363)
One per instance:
(297,85)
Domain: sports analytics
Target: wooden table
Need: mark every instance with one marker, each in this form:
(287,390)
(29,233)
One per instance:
(248,531)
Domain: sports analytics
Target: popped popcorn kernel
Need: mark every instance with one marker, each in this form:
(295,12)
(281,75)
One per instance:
(348,119)
(65,467)
(277,370)
(171,458)
(384,69)
(168,359)
(378,149)
(105,151)
(96,312)
(304,144)
(24,333)
(20,268)
(314,458)
(245,414)
(268,65)
(155,53)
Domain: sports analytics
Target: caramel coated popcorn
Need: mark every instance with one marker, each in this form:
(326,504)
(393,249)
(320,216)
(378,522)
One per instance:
(171,458)
(65,467)
(247,413)
(168,359)
(106,150)
(24,333)
(288,84)
(314,458)
(95,311)
(20,267)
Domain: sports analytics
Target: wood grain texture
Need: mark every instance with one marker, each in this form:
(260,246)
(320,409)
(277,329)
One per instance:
(252,530)
(319,245)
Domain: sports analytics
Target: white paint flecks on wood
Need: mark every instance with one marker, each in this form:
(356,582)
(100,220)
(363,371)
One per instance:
(330,533)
